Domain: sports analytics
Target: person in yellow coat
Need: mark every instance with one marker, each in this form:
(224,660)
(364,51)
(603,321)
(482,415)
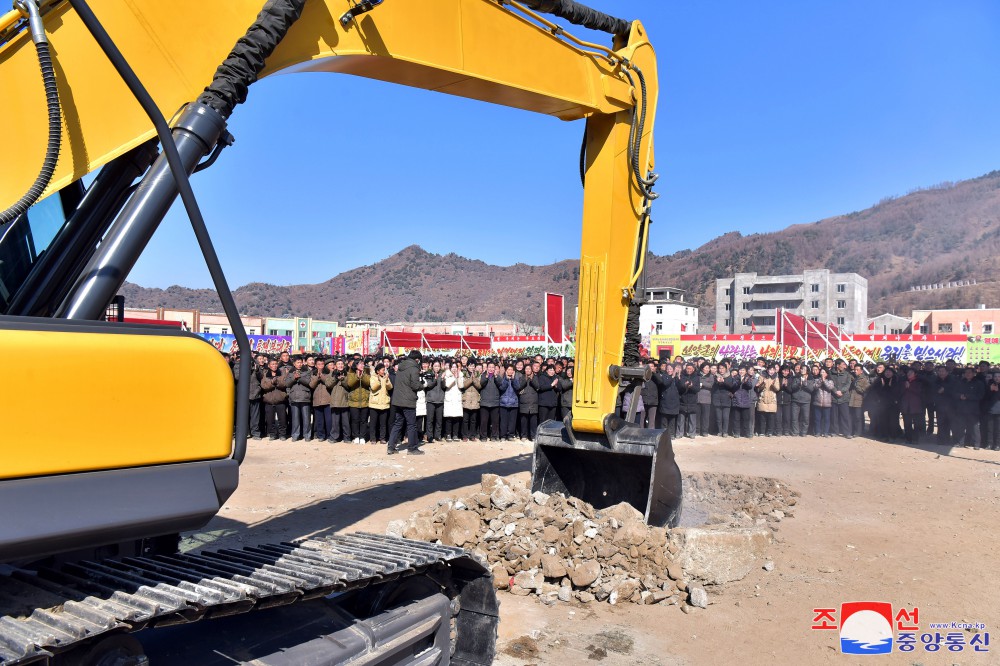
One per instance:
(767,405)
(379,398)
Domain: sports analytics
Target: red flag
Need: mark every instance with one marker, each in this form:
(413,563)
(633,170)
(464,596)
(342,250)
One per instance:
(871,326)
(968,326)
(652,327)
(715,327)
(753,327)
(684,327)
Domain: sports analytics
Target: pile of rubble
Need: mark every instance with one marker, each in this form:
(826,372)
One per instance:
(560,548)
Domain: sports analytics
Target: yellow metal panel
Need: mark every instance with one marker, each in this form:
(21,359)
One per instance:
(113,401)
(610,242)
(471,48)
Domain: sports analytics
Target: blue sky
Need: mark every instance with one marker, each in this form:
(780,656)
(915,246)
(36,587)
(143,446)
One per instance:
(770,114)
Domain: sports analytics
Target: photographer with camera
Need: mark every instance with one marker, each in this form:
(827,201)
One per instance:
(404,398)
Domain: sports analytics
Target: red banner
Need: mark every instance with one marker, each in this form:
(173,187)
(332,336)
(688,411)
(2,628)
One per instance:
(798,331)
(554,318)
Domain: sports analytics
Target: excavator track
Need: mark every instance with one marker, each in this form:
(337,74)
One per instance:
(54,610)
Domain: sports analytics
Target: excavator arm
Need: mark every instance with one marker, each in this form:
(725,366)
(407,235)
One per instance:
(496,52)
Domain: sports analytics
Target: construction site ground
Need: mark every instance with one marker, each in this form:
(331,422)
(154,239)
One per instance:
(915,526)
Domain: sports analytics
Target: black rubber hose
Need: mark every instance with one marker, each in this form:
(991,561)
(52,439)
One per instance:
(246,61)
(578,14)
(633,337)
(55,138)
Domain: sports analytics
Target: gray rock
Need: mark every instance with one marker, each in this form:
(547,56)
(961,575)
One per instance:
(541,499)
(502,496)
(769,566)
(395,528)
(565,594)
(698,597)
(720,556)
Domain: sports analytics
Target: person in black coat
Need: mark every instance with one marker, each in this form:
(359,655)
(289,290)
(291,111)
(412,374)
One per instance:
(785,401)
(404,398)
(722,398)
(651,397)
(969,393)
(527,402)
(547,387)
(489,403)
(669,400)
(688,386)
(707,378)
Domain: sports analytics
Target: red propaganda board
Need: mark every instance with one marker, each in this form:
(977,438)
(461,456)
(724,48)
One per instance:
(554,318)
(434,341)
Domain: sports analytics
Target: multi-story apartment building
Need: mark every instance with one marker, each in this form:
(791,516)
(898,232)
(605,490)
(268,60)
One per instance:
(747,302)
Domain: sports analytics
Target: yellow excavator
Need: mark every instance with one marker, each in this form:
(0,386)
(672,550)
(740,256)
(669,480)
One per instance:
(100,474)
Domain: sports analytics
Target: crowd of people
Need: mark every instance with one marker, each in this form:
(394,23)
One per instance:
(407,401)
(384,399)
(914,402)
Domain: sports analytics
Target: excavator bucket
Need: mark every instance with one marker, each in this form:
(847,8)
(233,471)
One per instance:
(632,464)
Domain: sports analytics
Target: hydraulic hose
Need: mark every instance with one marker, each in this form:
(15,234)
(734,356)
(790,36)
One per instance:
(55,116)
(246,61)
(579,14)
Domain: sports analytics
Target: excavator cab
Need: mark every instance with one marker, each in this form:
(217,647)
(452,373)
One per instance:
(625,463)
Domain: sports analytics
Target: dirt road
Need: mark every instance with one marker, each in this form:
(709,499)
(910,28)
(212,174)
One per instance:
(913,526)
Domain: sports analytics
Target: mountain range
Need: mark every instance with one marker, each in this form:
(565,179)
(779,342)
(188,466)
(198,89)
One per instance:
(936,235)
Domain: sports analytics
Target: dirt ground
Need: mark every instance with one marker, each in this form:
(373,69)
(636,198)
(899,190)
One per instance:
(914,526)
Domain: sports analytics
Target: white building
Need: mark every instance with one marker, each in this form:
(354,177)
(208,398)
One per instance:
(667,310)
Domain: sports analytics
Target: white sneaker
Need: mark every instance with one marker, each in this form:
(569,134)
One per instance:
(361,441)
(354,441)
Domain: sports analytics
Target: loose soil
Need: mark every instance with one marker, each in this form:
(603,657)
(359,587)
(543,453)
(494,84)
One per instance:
(911,525)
